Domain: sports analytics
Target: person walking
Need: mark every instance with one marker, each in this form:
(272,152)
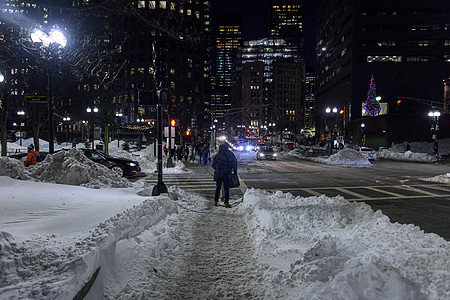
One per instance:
(32,157)
(224,163)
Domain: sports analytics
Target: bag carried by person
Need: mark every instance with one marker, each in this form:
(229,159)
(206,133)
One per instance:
(234,180)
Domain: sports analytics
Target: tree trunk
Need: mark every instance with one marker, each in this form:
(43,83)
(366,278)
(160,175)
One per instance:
(106,139)
(4,132)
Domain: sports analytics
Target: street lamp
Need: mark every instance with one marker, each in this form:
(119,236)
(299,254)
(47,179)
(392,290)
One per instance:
(21,113)
(328,111)
(89,110)
(363,125)
(435,114)
(54,40)
(66,120)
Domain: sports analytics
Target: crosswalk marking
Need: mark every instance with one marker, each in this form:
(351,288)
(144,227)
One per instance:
(361,196)
(202,183)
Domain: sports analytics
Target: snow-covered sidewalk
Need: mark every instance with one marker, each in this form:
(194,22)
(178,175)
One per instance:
(203,253)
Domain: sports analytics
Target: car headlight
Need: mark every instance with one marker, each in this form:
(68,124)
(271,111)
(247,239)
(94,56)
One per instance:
(248,148)
(262,154)
(274,154)
(131,164)
(240,148)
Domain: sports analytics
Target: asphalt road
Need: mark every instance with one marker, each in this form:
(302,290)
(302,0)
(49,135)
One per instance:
(395,188)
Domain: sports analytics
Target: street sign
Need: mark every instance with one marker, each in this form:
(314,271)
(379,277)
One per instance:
(36,97)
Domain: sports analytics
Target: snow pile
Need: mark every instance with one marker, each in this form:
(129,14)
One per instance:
(346,156)
(423,147)
(440,178)
(329,248)
(417,151)
(64,167)
(406,156)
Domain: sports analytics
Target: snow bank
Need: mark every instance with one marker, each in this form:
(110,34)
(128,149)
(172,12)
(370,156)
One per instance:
(52,268)
(64,167)
(440,178)
(329,248)
(346,156)
(407,156)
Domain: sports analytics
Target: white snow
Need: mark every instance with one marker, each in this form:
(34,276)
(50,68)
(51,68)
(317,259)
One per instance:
(61,220)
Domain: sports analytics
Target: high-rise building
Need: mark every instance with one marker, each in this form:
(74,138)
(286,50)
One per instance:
(271,86)
(227,41)
(310,100)
(286,22)
(403,44)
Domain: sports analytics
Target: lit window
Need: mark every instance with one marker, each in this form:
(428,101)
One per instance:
(172,85)
(140,70)
(141,4)
(162,4)
(152,4)
(189,12)
(131,71)
(384,58)
(172,6)
(172,71)
(197,14)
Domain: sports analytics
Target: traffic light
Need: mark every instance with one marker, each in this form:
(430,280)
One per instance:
(341,112)
(188,132)
(173,123)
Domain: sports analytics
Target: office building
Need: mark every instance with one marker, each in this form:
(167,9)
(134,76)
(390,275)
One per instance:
(228,39)
(403,44)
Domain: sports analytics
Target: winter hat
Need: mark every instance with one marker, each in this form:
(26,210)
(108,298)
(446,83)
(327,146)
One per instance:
(31,146)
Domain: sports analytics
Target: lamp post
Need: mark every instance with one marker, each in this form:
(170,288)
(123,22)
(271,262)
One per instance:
(66,121)
(54,40)
(3,115)
(21,113)
(119,117)
(91,117)
(435,114)
(363,125)
(329,111)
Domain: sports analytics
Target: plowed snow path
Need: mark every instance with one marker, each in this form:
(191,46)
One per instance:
(205,254)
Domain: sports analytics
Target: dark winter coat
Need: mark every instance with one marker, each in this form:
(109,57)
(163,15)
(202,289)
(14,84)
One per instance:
(224,163)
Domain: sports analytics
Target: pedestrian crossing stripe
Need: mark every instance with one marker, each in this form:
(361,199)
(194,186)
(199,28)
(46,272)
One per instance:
(190,182)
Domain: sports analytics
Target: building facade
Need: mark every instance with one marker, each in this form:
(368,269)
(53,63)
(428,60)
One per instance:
(227,41)
(403,44)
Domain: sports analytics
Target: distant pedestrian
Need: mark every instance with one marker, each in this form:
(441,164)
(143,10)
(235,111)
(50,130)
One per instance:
(74,143)
(165,149)
(185,152)
(179,152)
(32,157)
(224,163)
(205,153)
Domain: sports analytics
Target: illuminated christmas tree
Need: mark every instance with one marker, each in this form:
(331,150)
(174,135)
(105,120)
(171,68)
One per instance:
(371,105)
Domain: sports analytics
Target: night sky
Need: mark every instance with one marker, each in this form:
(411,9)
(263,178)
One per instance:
(255,17)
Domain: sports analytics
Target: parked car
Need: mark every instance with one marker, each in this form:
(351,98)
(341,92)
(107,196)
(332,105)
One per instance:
(121,166)
(266,153)
(368,153)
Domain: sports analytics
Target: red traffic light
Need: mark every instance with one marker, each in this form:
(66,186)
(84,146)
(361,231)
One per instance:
(399,101)
(341,112)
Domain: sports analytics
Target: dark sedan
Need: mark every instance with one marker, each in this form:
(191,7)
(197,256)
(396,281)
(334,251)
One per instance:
(121,166)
